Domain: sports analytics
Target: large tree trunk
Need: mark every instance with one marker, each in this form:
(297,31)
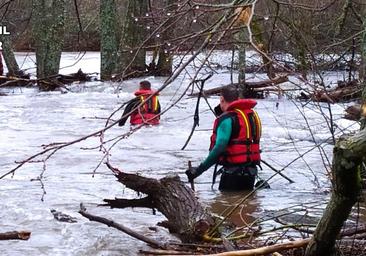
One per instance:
(108,38)
(363,76)
(48,22)
(165,60)
(347,160)
(8,54)
(186,217)
(132,54)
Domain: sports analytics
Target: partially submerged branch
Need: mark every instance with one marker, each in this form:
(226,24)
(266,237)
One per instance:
(111,223)
(250,85)
(15,235)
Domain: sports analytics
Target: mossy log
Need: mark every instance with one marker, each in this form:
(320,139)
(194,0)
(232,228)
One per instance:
(348,155)
(186,217)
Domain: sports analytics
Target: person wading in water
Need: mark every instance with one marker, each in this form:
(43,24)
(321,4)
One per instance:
(148,113)
(234,143)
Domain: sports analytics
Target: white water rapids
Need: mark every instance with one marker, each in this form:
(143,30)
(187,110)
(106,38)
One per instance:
(29,119)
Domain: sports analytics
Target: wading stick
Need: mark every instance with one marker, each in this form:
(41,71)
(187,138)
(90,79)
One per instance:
(191,181)
(196,112)
(277,171)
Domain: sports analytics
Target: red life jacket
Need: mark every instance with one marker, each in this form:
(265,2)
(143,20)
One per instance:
(149,112)
(243,146)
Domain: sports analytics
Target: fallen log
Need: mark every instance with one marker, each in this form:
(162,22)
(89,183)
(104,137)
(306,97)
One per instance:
(353,231)
(79,76)
(338,95)
(15,235)
(250,85)
(353,112)
(344,91)
(186,217)
(48,83)
(14,81)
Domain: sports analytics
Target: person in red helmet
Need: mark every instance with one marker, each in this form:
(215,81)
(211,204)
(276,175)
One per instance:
(148,112)
(234,143)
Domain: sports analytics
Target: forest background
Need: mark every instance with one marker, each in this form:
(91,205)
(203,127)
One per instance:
(304,29)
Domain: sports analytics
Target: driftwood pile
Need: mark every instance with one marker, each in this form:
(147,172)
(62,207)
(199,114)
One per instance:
(44,84)
(343,92)
(191,222)
(250,89)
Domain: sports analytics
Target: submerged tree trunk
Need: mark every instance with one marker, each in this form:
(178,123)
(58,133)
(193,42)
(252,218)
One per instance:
(348,156)
(108,38)
(48,22)
(8,54)
(186,217)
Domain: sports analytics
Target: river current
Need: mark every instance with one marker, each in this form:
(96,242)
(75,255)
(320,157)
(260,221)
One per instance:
(30,119)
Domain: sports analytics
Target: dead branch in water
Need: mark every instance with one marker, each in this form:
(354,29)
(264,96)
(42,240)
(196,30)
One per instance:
(111,223)
(15,235)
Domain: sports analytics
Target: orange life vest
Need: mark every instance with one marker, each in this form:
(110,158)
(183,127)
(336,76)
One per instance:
(243,147)
(149,112)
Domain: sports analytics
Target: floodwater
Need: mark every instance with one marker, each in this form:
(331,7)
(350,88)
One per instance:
(30,119)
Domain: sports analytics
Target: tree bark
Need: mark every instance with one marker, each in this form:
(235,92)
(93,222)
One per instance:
(165,60)
(186,217)
(108,38)
(132,54)
(240,46)
(48,22)
(362,70)
(8,54)
(347,160)
(363,75)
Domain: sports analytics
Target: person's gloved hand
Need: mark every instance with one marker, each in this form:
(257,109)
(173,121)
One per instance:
(192,173)
(218,111)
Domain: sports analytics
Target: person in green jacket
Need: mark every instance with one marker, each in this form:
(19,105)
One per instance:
(234,143)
